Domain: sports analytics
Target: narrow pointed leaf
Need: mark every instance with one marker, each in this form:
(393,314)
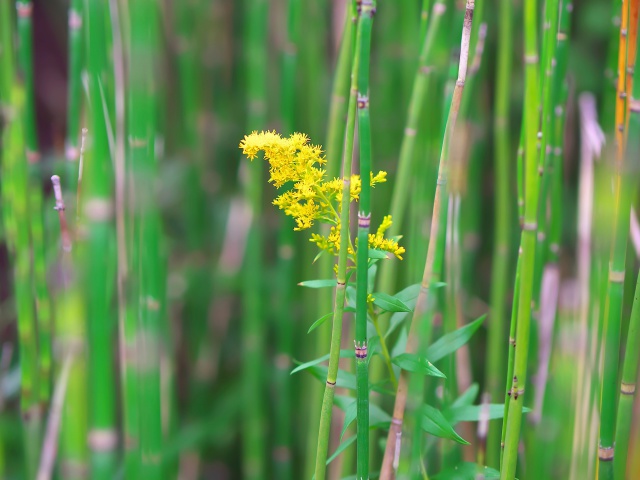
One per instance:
(311,363)
(451,342)
(433,422)
(319,322)
(417,364)
(328,283)
(389,303)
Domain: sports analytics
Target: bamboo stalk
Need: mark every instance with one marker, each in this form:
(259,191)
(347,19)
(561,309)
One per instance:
(417,102)
(527,245)
(500,263)
(395,431)
(367,10)
(253,326)
(334,145)
(74,100)
(617,260)
(341,276)
(143,111)
(282,447)
(97,217)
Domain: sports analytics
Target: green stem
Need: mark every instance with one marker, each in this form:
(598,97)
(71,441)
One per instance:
(527,244)
(419,319)
(500,262)
(336,331)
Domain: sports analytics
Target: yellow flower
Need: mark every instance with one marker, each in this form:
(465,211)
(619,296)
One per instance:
(311,198)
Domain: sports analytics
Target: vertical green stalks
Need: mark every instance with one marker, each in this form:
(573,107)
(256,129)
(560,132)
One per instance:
(25,61)
(282,448)
(74,89)
(341,276)
(500,262)
(417,102)
(334,145)
(390,459)
(97,217)
(253,325)
(632,352)
(70,341)
(527,244)
(617,258)
(142,115)
(367,10)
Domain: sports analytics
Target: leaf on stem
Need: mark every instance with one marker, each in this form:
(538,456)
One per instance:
(311,363)
(434,422)
(319,322)
(451,342)
(328,283)
(390,303)
(414,363)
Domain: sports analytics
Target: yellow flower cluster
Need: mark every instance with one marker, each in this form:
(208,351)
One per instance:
(294,160)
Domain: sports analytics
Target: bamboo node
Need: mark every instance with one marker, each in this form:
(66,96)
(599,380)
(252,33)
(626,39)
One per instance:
(137,142)
(623,95)
(441,181)
(627,388)
(616,277)
(623,32)
(561,36)
(605,454)
(75,20)
(426,69)
(530,226)
(530,59)
(634,105)
(541,236)
(71,153)
(364,220)
(512,341)
(410,132)
(98,209)
(102,440)
(554,248)
(331,384)
(24,9)
(363,101)
(361,349)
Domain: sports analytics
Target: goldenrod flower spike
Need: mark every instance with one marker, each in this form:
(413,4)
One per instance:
(312,198)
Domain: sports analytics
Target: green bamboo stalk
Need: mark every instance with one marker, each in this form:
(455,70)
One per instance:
(334,146)
(341,276)
(253,326)
(500,262)
(25,62)
(97,218)
(617,259)
(16,171)
(74,89)
(527,244)
(632,352)
(282,447)
(627,387)
(143,111)
(367,10)
(70,339)
(417,102)
(419,318)
(43,308)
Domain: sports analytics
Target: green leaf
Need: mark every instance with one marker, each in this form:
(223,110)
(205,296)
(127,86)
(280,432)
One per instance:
(408,296)
(319,322)
(451,342)
(320,253)
(413,363)
(472,413)
(341,448)
(378,254)
(329,282)
(371,277)
(378,418)
(468,397)
(389,303)
(350,297)
(311,363)
(373,347)
(433,422)
(467,471)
